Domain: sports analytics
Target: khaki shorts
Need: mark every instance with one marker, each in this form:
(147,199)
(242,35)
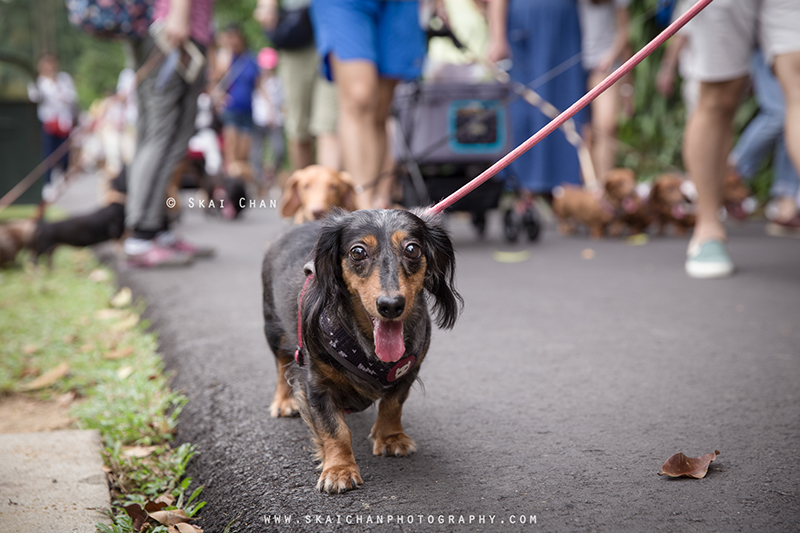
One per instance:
(311,106)
(724,34)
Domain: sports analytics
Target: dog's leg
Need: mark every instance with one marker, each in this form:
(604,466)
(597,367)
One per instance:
(339,469)
(284,403)
(388,437)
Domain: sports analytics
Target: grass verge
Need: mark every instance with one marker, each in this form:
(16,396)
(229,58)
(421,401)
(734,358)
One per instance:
(65,335)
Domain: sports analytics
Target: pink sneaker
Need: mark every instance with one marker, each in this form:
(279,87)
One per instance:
(157,256)
(198,252)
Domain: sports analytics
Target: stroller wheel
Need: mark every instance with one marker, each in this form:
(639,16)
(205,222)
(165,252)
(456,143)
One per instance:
(479,223)
(532,225)
(511,226)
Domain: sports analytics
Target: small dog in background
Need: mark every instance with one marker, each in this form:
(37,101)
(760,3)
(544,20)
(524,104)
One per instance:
(107,223)
(310,193)
(601,210)
(14,236)
(670,205)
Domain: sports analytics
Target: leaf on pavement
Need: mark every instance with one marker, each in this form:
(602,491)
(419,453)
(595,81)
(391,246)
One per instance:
(46,379)
(123,298)
(119,353)
(170,518)
(587,253)
(137,514)
(680,465)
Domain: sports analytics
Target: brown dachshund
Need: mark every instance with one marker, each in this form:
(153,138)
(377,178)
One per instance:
(669,204)
(352,326)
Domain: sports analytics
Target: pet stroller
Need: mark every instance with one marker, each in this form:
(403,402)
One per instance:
(447,133)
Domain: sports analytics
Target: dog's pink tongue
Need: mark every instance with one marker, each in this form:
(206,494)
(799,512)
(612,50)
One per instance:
(389,345)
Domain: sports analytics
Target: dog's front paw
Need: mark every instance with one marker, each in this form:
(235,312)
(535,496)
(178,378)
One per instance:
(339,478)
(398,445)
(284,406)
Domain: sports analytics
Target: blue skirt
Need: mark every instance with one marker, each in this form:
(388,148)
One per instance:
(544,34)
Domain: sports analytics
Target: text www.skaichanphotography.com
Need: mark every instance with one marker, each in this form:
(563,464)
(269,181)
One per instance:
(405,519)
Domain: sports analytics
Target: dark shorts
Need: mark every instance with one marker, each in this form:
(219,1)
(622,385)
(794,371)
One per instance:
(384,32)
(238,120)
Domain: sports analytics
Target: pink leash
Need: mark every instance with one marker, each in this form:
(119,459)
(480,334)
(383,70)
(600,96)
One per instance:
(573,109)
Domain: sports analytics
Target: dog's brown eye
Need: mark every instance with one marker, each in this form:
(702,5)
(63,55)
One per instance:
(413,251)
(358,253)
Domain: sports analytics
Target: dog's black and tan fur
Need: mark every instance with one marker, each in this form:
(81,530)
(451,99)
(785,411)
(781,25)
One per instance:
(369,265)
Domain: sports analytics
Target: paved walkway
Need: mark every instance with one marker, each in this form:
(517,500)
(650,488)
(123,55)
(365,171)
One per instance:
(565,385)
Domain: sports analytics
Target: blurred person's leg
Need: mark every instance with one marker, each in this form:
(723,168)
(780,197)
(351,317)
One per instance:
(705,147)
(382,194)
(297,71)
(604,126)
(257,138)
(324,123)
(787,68)
(760,136)
(165,124)
(723,37)
(361,143)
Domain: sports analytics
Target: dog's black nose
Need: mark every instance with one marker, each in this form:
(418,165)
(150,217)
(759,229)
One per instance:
(391,306)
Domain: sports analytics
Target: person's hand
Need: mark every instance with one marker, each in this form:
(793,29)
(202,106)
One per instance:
(266,14)
(176,27)
(498,50)
(665,81)
(606,64)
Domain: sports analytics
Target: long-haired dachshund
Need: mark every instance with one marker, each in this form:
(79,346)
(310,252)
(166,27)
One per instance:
(362,282)
(310,193)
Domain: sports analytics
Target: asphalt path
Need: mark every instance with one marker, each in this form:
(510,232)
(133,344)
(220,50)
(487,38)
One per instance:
(564,386)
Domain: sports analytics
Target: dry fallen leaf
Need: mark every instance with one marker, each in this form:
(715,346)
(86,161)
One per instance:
(170,518)
(86,348)
(137,514)
(152,507)
(29,372)
(139,452)
(184,528)
(119,353)
(587,253)
(126,324)
(46,379)
(123,298)
(680,465)
(166,498)
(98,275)
(125,372)
(109,314)
(511,257)
(30,349)
(65,400)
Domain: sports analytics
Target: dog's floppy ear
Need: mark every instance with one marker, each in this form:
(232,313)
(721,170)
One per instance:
(440,271)
(290,201)
(349,196)
(327,257)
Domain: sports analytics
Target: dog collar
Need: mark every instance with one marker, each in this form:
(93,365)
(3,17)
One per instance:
(346,350)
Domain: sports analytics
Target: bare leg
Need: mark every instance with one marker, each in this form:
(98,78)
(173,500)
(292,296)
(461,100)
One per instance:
(787,69)
(328,151)
(706,145)
(604,127)
(301,153)
(381,194)
(362,153)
